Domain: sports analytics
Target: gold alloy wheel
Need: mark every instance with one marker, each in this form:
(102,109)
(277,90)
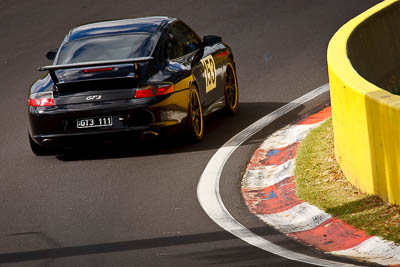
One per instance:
(231,89)
(196,114)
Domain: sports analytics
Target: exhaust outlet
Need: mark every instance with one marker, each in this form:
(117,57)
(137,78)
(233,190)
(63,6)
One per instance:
(47,142)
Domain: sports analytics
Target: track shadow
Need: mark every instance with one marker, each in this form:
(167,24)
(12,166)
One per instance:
(59,252)
(219,127)
(242,255)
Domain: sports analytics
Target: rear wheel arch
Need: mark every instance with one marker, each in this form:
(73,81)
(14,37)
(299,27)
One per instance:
(194,83)
(196,86)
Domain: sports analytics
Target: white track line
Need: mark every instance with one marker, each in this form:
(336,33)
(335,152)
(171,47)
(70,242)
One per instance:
(210,198)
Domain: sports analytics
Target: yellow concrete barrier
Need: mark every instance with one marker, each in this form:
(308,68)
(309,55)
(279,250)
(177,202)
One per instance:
(366,118)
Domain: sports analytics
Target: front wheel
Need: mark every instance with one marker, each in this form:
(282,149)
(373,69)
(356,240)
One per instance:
(194,122)
(231,90)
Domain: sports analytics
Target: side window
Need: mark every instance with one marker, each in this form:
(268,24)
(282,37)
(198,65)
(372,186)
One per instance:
(173,48)
(181,40)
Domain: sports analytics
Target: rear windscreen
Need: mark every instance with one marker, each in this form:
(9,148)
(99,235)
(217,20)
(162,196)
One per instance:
(105,48)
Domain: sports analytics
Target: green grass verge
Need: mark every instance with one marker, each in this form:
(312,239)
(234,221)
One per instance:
(320,182)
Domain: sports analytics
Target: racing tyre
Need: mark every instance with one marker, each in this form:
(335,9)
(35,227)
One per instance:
(39,150)
(194,122)
(231,90)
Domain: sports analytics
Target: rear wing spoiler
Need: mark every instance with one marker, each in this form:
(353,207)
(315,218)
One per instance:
(52,68)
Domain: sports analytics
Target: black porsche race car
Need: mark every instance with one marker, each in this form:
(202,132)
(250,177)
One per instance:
(145,76)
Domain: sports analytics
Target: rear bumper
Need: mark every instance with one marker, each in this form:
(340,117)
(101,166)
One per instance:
(100,136)
(158,114)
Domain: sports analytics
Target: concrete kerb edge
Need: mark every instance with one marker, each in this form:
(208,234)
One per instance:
(269,191)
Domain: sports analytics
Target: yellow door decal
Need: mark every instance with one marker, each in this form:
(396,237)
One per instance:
(209,73)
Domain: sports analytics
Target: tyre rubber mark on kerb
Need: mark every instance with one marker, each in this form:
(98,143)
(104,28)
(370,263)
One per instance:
(210,198)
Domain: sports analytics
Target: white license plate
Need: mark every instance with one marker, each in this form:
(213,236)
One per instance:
(94,122)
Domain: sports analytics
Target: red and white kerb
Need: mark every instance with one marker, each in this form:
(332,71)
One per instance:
(269,190)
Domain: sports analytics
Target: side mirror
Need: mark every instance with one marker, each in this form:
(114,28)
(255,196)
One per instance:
(210,40)
(51,55)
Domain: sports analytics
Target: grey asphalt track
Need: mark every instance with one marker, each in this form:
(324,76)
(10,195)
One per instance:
(136,205)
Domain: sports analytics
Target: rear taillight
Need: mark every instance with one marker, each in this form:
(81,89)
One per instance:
(150,90)
(44,99)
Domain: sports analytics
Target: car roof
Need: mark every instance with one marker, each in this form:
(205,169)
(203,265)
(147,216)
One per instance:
(146,25)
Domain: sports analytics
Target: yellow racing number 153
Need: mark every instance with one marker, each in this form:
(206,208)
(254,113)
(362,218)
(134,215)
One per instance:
(209,73)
